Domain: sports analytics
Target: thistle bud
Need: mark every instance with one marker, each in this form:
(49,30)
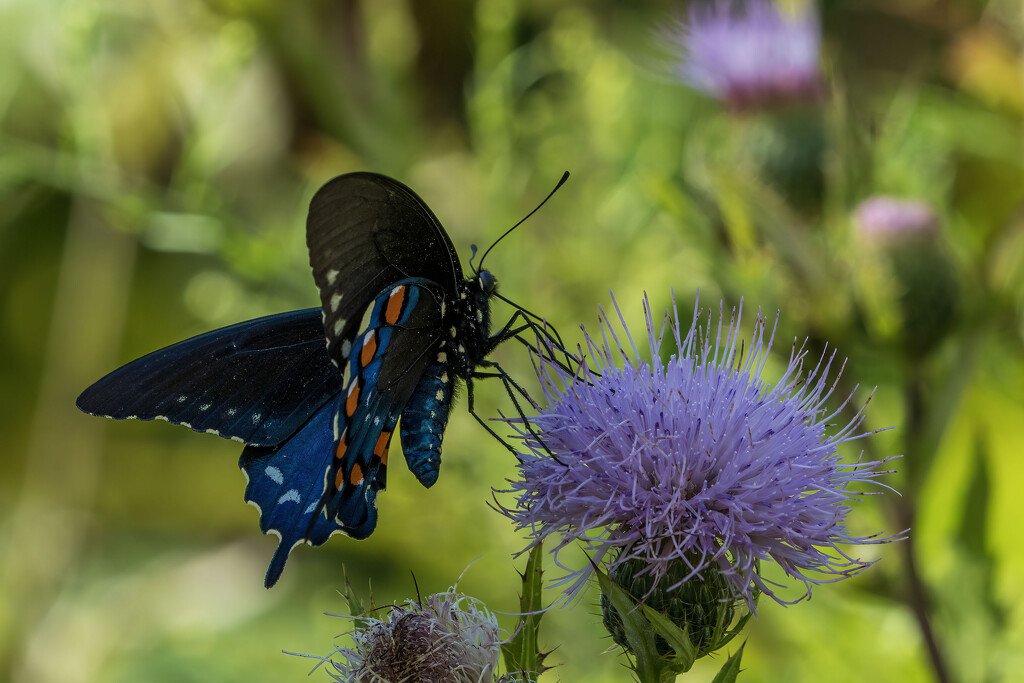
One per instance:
(703,605)
(923,284)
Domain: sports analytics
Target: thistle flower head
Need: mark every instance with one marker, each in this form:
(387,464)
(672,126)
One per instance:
(884,219)
(694,460)
(750,55)
(448,637)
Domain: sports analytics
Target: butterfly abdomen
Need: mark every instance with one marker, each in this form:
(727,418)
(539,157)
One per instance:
(424,420)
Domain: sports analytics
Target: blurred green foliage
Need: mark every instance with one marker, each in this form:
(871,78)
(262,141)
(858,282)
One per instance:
(156,161)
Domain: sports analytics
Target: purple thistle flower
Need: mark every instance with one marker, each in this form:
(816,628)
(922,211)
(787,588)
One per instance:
(750,56)
(887,219)
(695,460)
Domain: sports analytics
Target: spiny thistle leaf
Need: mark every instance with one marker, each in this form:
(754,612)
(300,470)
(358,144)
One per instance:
(731,668)
(522,654)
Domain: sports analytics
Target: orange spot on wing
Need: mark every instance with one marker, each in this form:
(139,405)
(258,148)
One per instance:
(381,449)
(353,398)
(339,451)
(339,479)
(369,348)
(356,476)
(395,303)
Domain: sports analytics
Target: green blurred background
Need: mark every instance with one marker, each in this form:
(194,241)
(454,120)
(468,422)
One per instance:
(156,161)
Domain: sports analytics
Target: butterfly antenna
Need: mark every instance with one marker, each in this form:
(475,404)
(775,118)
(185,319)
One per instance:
(565,176)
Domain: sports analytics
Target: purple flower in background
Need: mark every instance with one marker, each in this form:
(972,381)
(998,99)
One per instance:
(694,460)
(750,55)
(886,219)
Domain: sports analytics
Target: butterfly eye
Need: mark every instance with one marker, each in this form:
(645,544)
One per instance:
(488,283)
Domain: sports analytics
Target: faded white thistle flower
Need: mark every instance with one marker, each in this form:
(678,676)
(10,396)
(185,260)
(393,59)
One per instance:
(884,219)
(695,462)
(750,55)
(446,638)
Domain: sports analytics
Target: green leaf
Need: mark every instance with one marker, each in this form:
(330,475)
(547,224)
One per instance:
(972,536)
(677,638)
(355,605)
(522,654)
(649,666)
(731,669)
(974,522)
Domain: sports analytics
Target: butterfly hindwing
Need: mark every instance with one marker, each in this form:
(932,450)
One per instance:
(385,366)
(256,382)
(286,485)
(364,232)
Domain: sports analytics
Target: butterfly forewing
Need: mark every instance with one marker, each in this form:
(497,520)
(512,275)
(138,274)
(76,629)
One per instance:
(364,232)
(257,382)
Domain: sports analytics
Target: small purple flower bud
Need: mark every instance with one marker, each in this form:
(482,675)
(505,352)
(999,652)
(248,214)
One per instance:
(751,56)
(694,461)
(925,287)
(886,219)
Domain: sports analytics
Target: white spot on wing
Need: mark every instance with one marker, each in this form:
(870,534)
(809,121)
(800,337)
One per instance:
(439,396)
(205,406)
(213,431)
(452,331)
(232,411)
(182,398)
(332,275)
(335,302)
(274,474)
(311,508)
(290,496)
(338,324)
(346,348)
(256,417)
(444,376)
(238,439)
(442,357)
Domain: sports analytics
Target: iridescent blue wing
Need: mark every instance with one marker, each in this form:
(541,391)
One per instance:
(386,365)
(325,479)
(365,232)
(256,382)
(286,485)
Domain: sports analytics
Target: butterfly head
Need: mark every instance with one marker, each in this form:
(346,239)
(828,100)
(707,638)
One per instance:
(487,283)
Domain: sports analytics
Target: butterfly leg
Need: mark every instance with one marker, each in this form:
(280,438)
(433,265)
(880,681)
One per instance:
(483,423)
(548,341)
(511,388)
